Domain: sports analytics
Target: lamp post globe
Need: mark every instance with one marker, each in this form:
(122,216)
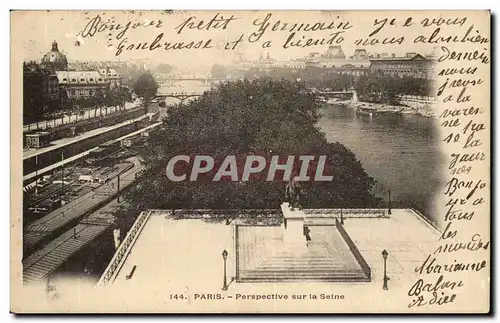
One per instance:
(224,256)
(385,254)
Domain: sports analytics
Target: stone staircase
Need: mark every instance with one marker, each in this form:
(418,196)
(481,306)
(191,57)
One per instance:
(43,262)
(326,257)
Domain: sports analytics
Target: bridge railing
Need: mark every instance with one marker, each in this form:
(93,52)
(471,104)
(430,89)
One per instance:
(120,255)
(346,213)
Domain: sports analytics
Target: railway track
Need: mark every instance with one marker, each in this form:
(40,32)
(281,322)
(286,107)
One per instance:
(53,189)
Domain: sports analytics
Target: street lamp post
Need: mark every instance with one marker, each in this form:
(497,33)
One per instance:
(384,255)
(224,256)
(390,207)
(62,173)
(118,188)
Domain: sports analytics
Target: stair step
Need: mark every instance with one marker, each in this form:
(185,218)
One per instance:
(304,261)
(300,278)
(315,279)
(301,272)
(303,268)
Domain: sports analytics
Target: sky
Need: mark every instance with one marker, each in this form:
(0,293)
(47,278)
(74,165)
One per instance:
(98,38)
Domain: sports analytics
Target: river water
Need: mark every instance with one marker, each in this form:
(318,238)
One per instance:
(401,153)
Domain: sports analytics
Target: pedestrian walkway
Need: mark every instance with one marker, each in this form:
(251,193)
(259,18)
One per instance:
(74,117)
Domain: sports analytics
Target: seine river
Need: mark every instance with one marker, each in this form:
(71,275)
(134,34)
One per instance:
(401,153)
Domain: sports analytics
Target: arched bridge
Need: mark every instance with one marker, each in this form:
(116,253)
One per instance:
(204,79)
(181,96)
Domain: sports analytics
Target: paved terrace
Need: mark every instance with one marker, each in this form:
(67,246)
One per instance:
(162,255)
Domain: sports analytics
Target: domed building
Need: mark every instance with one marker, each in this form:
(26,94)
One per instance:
(55,60)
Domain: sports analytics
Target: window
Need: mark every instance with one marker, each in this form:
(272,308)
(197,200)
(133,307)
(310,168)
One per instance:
(91,79)
(82,80)
(100,80)
(72,92)
(65,80)
(73,80)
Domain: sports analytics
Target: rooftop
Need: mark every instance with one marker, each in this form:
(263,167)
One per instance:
(400,58)
(80,77)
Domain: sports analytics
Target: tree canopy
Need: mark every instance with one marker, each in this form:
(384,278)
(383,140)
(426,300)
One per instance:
(263,116)
(145,86)
(164,68)
(218,71)
(377,87)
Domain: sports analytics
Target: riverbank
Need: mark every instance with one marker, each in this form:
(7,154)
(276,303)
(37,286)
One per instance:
(422,110)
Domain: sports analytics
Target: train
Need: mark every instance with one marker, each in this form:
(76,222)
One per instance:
(102,153)
(73,129)
(48,158)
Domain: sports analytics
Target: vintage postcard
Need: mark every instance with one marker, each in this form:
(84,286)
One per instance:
(250,161)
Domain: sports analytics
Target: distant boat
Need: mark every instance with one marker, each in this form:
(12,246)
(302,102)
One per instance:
(390,111)
(363,109)
(332,101)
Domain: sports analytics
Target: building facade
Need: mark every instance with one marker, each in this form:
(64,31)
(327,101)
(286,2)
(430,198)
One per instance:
(41,80)
(82,84)
(412,65)
(334,60)
(40,92)
(111,76)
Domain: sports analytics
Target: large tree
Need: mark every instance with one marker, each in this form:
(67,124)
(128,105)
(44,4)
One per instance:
(265,117)
(145,87)
(164,68)
(218,71)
